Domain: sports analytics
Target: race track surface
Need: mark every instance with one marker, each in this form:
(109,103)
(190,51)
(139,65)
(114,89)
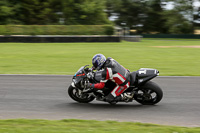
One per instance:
(45,97)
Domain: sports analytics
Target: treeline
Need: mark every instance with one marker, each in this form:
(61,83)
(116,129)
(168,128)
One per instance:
(155,16)
(144,16)
(48,12)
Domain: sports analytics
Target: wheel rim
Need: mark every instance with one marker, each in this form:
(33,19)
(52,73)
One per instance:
(147,95)
(78,94)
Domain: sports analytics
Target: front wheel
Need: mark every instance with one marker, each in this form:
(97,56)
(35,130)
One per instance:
(149,94)
(76,95)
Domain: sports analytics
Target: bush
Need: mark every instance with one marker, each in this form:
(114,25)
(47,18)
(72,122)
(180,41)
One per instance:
(109,30)
(56,30)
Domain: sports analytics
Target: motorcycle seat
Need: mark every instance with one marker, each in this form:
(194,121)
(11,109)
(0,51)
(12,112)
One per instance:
(132,78)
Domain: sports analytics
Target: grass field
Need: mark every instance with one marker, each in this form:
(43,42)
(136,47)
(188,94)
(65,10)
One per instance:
(86,126)
(66,58)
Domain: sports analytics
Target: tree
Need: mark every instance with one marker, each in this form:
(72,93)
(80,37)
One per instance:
(197,17)
(8,12)
(43,12)
(129,12)
(88,12)
(154,21)
(143,15)
(149,16)
(184,8)
(37,12)
(176,23)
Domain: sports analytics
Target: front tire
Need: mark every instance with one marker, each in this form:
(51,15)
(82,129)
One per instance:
(149,94)
(74,94)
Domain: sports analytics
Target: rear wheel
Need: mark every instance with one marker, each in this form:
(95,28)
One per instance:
(76,95)
(149,94)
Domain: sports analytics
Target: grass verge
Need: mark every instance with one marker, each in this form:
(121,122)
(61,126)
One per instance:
(86,126)
(67,58)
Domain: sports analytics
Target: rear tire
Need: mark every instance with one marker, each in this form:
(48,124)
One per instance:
(73,93)
(149,94)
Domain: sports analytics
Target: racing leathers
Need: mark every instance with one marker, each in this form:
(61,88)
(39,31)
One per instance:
(115,72)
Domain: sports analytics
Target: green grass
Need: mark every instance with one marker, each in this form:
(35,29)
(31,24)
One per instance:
(86,126)
(67,58)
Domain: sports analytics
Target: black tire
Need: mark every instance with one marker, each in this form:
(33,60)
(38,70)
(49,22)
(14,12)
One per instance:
(149,94)
(72,92)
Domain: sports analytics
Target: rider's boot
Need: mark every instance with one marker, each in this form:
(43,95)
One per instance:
(111,99)
(119,98)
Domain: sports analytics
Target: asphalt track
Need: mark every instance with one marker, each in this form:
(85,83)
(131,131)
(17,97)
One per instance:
(45,97)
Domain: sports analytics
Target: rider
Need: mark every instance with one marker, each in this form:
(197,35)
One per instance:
(113,71)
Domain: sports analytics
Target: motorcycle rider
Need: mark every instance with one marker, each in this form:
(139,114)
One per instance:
(113,71)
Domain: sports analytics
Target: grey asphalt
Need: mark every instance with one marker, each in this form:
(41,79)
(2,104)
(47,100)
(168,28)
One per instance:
(45,97)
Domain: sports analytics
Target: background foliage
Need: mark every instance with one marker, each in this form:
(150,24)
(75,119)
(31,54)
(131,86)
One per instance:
(152,16)
(144,16)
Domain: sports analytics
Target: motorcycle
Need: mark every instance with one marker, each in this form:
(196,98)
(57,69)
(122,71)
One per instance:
(141,89)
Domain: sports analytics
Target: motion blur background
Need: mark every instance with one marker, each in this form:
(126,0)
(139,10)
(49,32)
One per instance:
(136,16)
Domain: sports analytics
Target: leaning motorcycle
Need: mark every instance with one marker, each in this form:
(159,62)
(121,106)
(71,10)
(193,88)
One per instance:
(141,88)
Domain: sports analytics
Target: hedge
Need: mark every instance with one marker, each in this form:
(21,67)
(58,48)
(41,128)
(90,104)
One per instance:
(56,30)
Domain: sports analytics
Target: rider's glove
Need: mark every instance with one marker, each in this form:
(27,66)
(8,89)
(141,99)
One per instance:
(88,87)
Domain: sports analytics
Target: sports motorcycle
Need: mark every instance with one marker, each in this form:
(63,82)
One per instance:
(141,88)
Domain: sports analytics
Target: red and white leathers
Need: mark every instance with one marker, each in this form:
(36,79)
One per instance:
(115,72)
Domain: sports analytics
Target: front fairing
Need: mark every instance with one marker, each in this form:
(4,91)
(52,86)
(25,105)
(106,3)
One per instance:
(78,76)
(80,71)
(77,79)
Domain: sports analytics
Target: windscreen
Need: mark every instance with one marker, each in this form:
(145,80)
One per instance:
(79,71)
